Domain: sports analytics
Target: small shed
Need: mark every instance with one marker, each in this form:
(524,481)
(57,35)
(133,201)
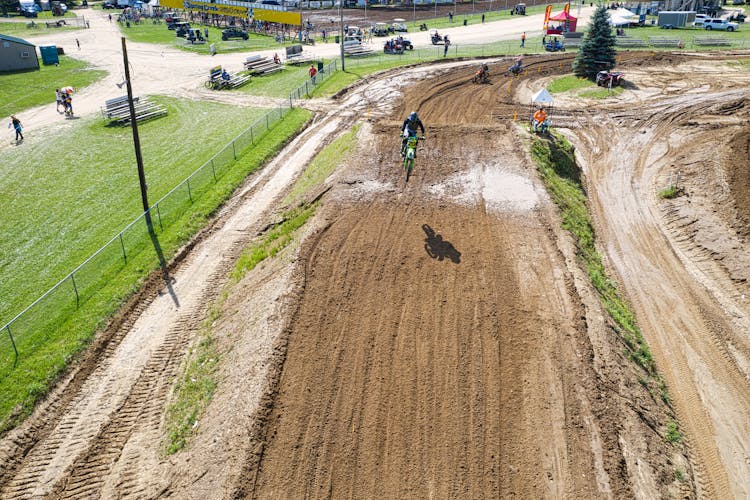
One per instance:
(17,54)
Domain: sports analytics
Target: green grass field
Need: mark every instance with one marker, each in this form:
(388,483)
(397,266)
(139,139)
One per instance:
(20,91)
(61,213)
(22,30)
(147,32)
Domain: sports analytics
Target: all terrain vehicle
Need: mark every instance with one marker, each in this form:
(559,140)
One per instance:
(609,78)
(436,38)
(228,33)
(554,44)
(380,29)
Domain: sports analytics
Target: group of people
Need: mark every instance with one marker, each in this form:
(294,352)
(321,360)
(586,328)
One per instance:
(64,98)
(394,45)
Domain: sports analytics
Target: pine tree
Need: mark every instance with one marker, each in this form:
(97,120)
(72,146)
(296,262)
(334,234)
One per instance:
(597,51)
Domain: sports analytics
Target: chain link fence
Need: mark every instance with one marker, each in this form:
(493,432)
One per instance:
(30,329)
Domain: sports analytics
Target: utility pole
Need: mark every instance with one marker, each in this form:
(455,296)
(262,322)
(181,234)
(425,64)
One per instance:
(341,22)
(136,141)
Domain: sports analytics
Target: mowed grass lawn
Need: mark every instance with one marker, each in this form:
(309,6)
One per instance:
(147,32)
(67,195)
(70,193)
(20,91)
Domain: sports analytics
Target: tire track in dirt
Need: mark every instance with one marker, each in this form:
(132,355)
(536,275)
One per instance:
(681,323)
(432,343)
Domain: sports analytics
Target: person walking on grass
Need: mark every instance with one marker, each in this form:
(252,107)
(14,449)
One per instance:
(523,39)
(16,124)
(313,72)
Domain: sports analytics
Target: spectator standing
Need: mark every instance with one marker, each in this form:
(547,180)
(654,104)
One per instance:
(78,44)
(482,18)
(110,18)
(313,72)
(523,39)
(58,100)
(212,49)
(447,44)
(205,31)
(16,124)
(450,17)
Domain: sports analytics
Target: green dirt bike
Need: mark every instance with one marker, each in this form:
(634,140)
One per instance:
(409,154)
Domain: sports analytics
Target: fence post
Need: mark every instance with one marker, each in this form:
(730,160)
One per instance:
(234,152)
(190,195)
(213,169)
(122,245)
(75,288)
(252,139)
(307,92)
(158,215)
(15,361)
(267,126)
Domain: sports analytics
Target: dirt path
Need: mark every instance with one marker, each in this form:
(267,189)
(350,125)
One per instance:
(693,313)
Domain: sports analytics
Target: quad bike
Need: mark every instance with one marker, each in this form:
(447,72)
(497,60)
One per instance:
(410,153)
(608,78)
(436,38)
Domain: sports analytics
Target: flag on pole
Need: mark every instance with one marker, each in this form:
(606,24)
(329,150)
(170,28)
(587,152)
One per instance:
(566,9)
(547,13)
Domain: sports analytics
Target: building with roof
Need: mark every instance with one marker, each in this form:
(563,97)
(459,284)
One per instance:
(17,54)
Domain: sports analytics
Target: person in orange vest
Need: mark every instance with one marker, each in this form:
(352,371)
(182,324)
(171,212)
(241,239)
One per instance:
(313,72)
(523,39)
(539,118)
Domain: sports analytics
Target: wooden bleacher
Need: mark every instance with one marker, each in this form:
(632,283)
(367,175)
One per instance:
(217,82)
(624,41)
(261,65)
(294,55)
(354,48)
(117,110)
(663,41)
(711,40)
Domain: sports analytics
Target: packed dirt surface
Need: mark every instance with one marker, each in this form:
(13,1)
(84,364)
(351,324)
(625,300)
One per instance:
(685,262)
(439,338)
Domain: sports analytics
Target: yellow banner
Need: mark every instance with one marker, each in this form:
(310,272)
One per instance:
(547,13)
(273,16)
(172,4)
(566,9)
(212,8)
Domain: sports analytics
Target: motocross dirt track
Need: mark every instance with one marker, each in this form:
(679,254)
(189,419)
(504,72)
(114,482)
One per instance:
(439,338)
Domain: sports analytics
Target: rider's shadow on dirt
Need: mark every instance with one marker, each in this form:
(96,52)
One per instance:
(437,248)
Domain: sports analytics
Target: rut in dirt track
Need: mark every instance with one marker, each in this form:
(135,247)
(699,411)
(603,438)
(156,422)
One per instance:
(438,349)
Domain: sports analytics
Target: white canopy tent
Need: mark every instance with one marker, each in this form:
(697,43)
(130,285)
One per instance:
(622,17)
(542,98)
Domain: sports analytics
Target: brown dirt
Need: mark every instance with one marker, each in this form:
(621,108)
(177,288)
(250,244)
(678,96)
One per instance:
(439,338)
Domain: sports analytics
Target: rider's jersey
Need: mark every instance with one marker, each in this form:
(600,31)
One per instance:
(411,127)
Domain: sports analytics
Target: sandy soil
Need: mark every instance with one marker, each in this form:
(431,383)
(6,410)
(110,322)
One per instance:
(439,338)
(684,262)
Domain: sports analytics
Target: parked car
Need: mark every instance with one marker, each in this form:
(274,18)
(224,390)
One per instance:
(234,33)
(720,24)
(700,19)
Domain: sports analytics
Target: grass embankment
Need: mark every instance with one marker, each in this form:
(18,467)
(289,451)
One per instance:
(556,164)
(195,388)
(91,198)
(147,32)
(558,169)
(582,87)
(27,89)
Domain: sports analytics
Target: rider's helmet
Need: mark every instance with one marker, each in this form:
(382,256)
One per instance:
(413,117)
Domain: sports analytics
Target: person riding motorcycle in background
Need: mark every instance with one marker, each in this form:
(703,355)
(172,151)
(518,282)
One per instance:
(409,129)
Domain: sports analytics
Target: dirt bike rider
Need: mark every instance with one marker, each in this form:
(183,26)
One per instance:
(409,129)
(483,71)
